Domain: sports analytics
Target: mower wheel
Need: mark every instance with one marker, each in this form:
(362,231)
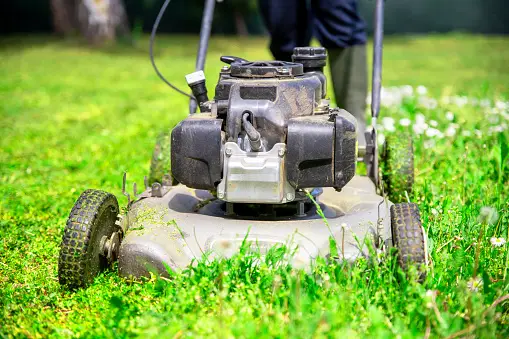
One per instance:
(161,159)
(91,239)
(409,238)
(398,167)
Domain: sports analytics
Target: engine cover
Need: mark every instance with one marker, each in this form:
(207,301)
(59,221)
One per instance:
(269,134)
(322,150)
(196,157)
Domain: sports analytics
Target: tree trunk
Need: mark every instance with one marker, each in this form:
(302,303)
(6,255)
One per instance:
(101,21)
(240,23)
(64,16)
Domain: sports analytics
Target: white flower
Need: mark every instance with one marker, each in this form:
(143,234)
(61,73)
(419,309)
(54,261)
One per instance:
(433,123)
(474,284)
(407,90)
(420,118)
(429,143)
(485,103)
(497,242)
(460,101)
(388,124)
(421,90)
(496,129)
(428,103)
(451,131)
(430,298)
(434,211)
(405,122)
(420,128)
(466,133)
(488,215)
(449,116)
(501,105)
(431,293)
(431,104)
(433,132)
(381,139)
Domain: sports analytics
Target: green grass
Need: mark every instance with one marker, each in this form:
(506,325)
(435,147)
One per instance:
(74,118)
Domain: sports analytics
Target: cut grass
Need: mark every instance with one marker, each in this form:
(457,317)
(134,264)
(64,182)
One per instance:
(74,118)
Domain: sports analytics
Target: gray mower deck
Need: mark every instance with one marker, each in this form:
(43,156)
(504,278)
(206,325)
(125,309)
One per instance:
(170,231)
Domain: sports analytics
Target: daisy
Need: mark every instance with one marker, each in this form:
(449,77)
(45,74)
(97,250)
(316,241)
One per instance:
(451,131)
(405,122)
(497,242)
(433,132)
(388,124)
(421,90)
(420,128)
(474,284)
(485,103)
(501,105)
(407,90)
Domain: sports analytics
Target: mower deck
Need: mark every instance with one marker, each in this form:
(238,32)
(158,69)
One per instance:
(183,224)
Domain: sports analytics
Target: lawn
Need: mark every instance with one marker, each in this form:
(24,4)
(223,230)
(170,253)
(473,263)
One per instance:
(73,118)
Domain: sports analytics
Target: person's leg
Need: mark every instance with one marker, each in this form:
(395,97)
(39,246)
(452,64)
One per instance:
(288,24)
(350,80)
(339,28)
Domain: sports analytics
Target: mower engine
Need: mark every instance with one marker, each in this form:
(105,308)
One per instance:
(268,134)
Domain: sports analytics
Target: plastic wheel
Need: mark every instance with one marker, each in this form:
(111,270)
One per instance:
(398,167)
(91,239)
(409,238)
(160,164)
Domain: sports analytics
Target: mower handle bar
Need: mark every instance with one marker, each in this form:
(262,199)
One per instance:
(376,85)
(206,27)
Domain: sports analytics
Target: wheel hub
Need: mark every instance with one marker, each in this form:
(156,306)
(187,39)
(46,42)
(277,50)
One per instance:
(110,246)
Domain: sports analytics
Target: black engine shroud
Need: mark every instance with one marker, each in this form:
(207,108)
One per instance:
(286,103)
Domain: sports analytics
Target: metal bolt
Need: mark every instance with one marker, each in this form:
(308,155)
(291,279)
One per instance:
(157,190)
(283,71)
(228,151)
(281,152)
(229,209)
(289,196)
(300,209)
(225,69)
(220,194)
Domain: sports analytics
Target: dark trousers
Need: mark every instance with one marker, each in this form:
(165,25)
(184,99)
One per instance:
(292,23)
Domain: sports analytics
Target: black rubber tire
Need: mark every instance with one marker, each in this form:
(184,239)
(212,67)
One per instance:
(398,167)
(161,159)
(408,237)
(93,216)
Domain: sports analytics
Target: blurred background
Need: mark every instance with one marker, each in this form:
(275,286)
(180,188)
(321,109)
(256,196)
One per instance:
(240,17)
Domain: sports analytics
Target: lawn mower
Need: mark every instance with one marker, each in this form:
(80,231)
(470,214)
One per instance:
(267,162)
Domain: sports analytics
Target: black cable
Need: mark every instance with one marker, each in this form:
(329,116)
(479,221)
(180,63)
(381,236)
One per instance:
(152,38)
